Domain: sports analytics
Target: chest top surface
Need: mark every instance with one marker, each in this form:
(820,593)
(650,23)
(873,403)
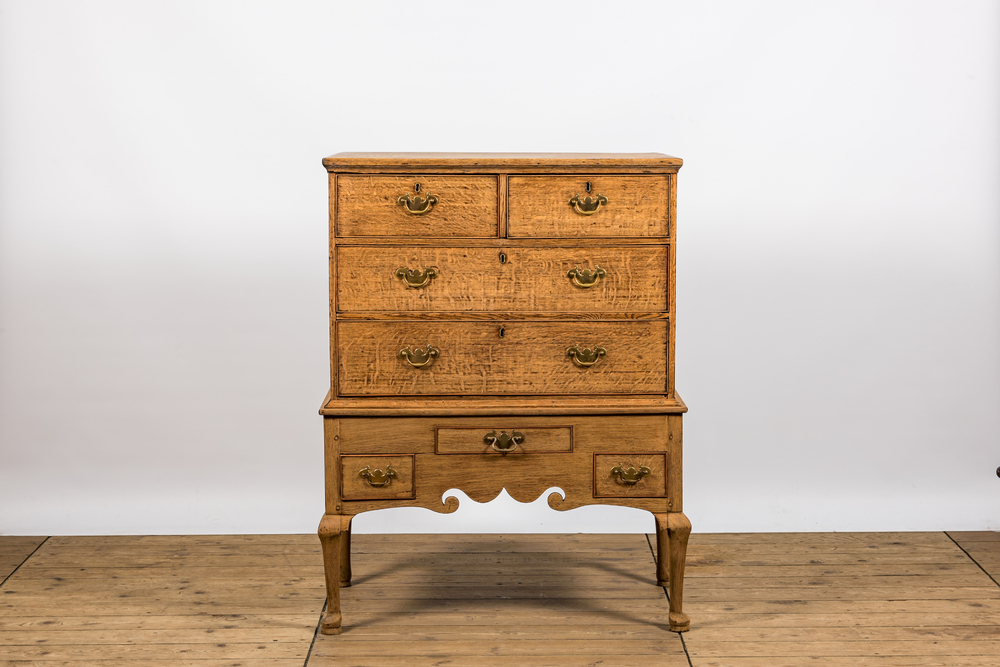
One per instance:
(504,161)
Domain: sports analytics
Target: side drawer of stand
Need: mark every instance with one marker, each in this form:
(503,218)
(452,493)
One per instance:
(630,475)
(372,477)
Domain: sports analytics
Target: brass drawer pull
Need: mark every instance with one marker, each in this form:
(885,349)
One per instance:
(504,443)
(586,277)
(419,358)
(588,205)
(377,477)
(417,205)
(586,357)
(415,277)
(629,475)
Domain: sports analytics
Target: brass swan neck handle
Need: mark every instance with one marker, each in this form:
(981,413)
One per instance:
(588,205)
(586,357)
(416,278)
(586,277)
(419,358)
(504,443)
(377,477)
(629,475)
(417,205)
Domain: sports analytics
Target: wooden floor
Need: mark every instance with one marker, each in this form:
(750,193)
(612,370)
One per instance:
(774,600)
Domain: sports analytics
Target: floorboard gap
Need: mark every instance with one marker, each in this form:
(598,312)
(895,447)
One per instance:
(972,559)
(25,560)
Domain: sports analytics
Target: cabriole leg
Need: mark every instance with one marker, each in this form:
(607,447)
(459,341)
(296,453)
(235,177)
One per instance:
(672,531)
(331,538)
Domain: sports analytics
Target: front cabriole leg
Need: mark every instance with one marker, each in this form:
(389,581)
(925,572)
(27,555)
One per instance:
(330,538)
(672,531)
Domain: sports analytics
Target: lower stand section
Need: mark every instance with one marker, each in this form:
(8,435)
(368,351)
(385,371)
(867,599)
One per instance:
(672,531)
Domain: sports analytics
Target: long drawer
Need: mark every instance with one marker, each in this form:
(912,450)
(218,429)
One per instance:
(511,357)
(563,279)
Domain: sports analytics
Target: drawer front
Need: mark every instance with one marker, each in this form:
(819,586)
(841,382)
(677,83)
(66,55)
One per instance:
(630,475)
(445,206)
(589,434)
(568,279)
(541,206)
(472,358)
(377,477)
(503,439)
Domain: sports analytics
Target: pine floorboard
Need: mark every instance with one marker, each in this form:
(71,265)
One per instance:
(839,599)
(755,600)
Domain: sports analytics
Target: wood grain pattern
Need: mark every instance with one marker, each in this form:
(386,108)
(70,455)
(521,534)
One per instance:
(653,485)
(472,439)
(178,602)
(531,279)
(529,359)
(467,206)
(788,604)
(538,206)
(355,487)
(501,601)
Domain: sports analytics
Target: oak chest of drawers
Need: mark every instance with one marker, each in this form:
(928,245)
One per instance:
(502,321)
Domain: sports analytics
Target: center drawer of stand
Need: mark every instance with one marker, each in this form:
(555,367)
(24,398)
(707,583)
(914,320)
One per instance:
(503,439)
(561,279)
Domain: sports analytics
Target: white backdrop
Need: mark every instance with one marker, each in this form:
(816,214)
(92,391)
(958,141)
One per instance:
(163,323)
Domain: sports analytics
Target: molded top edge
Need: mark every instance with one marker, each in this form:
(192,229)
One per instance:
(501,159)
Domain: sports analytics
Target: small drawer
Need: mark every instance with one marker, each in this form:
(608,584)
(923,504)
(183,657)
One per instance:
(630,475)
(618,206)
(369,477)
(576,278)
(473,358)
(421,206)
(502,439)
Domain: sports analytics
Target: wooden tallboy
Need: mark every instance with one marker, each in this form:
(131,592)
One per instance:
(502,321)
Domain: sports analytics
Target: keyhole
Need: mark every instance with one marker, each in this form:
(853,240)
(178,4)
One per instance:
(588,186)
(501,332)
(416,188)
(503,258)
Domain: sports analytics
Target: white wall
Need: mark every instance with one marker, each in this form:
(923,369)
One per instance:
(163,243)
